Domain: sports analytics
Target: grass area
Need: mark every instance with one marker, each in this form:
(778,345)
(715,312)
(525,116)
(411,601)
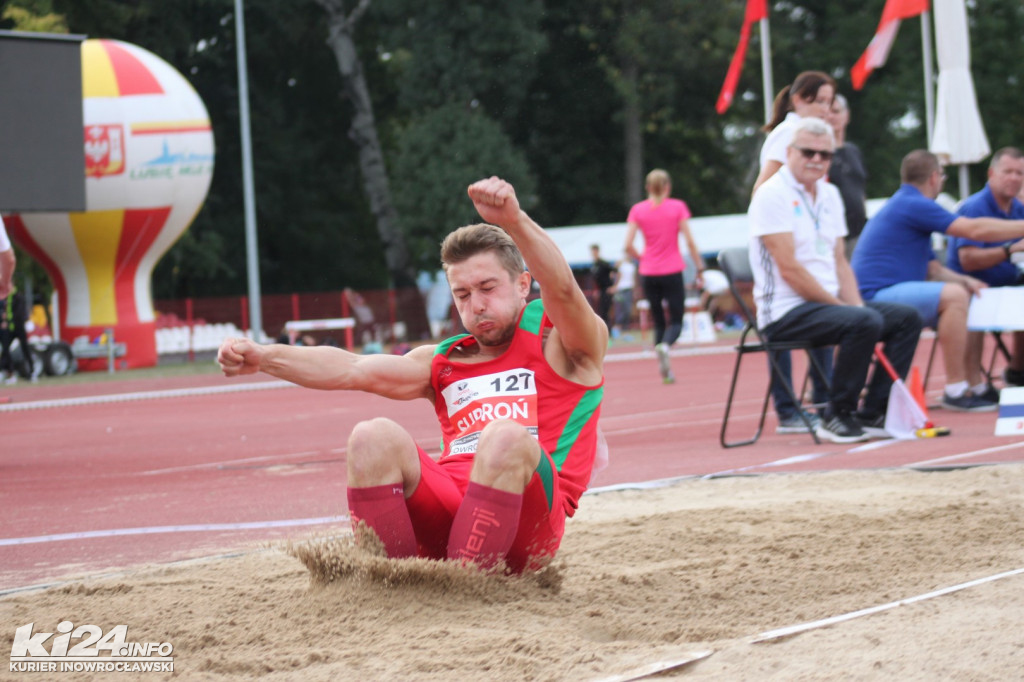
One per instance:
(169,367)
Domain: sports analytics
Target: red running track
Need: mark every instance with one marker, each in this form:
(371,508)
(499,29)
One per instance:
(170,469)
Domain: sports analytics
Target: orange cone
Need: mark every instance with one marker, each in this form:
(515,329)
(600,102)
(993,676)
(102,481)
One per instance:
(917,390)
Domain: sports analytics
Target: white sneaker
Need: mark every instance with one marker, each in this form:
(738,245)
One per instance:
(663,365)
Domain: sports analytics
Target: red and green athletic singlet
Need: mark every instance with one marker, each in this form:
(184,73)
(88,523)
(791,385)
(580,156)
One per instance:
(519,385)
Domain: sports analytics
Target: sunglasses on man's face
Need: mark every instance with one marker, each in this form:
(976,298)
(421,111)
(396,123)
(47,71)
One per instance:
(810,153)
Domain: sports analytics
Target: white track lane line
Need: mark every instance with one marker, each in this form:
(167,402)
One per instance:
(665,482)
(264,385)
(236,462)
(151,530)
(966,455)
(825,622)
(793,459)
(675,353)
(429,445)
(144,395)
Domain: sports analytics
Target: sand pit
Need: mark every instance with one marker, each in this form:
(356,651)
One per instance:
(643,577)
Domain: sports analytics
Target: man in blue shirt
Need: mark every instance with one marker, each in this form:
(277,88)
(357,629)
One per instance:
(991,262)
(894,262)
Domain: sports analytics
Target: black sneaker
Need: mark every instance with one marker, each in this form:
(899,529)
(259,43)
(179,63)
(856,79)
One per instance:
(841,428)
(795,424)
(991,394)
(1013,377)
(968,403)
(874,426)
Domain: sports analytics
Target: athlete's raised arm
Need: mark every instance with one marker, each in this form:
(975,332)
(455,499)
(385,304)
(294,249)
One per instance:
(581,333)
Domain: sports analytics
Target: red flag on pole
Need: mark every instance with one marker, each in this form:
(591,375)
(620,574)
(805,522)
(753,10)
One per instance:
(756,11)
(885,34)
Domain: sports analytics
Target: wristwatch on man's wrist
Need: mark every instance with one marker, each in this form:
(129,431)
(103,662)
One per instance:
(1006,250)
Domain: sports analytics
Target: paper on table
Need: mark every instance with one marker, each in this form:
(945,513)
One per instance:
(997,309)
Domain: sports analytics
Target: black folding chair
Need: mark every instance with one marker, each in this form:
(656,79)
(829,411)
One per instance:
(989,370)
(735,264)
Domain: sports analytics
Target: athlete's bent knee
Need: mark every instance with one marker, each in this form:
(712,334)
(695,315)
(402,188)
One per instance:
(506,446)
(376,452)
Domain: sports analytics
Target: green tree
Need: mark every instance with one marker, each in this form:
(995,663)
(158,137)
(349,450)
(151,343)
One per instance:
(477,58)
(440,154)
(556,95)
(34,16)
(342,22)
(315,231)
(665,61)
(887,116)
(467,51)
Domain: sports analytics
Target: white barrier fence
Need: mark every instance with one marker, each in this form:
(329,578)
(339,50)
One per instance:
(200,337)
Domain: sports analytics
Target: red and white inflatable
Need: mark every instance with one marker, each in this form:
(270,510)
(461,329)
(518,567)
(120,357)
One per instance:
(148,166)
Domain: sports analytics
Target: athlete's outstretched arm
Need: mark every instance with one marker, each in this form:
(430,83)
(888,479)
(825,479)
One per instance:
(582,333)
(402,377)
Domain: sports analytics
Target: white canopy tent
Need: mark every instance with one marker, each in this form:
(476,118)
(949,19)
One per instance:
(959,136)
(711,233)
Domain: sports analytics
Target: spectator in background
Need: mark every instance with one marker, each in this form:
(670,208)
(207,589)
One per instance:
(7,263)
(7,305)
(991,262)
(13,315)
(662,219)
(622,293)
(894,262)
(365,330)
(805,290)
(602,271)
(848,173)
(810,95)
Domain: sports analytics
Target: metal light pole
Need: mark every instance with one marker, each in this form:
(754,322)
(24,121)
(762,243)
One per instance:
(251,244)
(766,69)
(929,81)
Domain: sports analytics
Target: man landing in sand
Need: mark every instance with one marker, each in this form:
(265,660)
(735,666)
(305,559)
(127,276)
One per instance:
(517,399)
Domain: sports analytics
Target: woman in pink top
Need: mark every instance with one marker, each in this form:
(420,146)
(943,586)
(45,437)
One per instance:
(661,220)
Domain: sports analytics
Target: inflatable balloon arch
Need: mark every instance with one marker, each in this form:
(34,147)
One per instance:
(148,165)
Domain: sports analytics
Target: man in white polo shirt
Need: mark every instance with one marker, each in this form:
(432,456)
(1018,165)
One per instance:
(805,289)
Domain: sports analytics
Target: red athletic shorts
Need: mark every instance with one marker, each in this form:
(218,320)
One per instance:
(442,486)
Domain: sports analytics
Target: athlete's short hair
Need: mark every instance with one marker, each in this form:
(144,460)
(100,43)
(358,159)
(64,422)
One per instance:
(468,241)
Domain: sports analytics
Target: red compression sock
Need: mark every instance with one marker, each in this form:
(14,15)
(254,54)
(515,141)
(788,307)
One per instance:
(485,525)
(382,508)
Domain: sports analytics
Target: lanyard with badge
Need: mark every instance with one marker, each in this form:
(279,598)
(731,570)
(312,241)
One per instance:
(820,243)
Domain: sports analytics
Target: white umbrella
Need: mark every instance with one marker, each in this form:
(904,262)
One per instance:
(959,135)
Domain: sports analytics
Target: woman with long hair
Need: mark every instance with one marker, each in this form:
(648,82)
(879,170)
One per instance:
(662,219)
(811,94)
